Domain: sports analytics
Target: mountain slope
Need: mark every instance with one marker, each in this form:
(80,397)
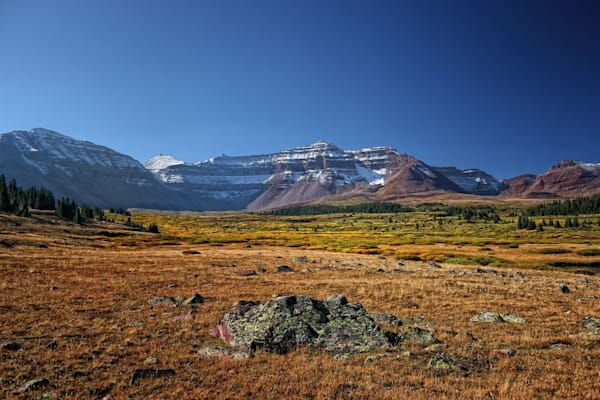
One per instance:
(83,171)
(565,179)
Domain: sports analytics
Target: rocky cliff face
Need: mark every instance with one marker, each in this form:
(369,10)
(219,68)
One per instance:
(80,170)
(473,181)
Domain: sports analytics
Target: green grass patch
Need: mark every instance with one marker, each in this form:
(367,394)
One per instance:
(589,252)
(550,250)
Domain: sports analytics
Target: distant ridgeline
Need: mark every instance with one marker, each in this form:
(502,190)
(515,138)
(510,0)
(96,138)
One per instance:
(368,208)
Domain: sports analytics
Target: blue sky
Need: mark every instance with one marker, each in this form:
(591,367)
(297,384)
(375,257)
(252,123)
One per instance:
(506,86)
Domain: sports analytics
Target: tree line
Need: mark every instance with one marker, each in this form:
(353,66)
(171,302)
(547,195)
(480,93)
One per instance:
(18,201)
(318,209)
(15,200)
(581,205)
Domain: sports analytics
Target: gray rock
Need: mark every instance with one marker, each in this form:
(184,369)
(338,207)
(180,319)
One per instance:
(489,316)
(300,259)
(287,322)
(433,264)
(218,352)
(10,346)
(194,299)
(386,319)
(507,352)
(246,272)
(163,300)
(51,345)
(419,336)
(440,363)
(591,323)
(34,384)
(564,288)
(151,360)
(306,270)
(150,373)
(283,268)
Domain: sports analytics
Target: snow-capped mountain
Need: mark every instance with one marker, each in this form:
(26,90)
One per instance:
(80,170)
(473,181)
(307,173)
(99,176)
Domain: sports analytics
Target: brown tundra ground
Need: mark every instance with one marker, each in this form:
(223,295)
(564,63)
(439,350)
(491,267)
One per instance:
(75,301)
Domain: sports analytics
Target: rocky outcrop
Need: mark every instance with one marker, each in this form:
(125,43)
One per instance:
(287,322)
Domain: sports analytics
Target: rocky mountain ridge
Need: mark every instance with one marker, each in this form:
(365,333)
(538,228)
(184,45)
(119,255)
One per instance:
(318,172)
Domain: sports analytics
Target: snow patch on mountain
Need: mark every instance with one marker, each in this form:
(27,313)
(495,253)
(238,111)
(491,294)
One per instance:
(161,161)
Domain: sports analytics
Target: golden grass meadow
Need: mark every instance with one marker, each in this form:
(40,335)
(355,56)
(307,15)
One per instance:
(74,305)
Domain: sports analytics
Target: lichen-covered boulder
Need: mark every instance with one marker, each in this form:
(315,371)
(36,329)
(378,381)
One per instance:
(286,322)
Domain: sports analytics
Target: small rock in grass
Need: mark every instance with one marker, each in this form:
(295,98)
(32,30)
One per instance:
(51,345)
(140,374)
(300,259)
(194,299)
(440,363)
(11,346)
(163,300)
(34,384)
(433,264)
(246,272)
(564,288)
(283,268)
(386,319)
(420,336)
(151,360)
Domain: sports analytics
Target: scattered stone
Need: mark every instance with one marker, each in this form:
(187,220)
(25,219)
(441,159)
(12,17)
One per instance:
(564,288)
(520,275)
(399,271)
(179,299)
(151,360)
(287,322)
(380,270)
(140,374)
(440,363)
(343,356)
(306,270)
(433,264)
(247,245)
(591,323)
(489,316)
(163,300)
(507,352)
(300,259)
(194,299)
(560,346)
(386,319)
(172,285)
(513,319)
(581,281)
(246,272)
(51,345)
(10,346)
(400,264)
(190,252)
(419,336)
(283,268)
(35,384)
(262,270)
(53,288)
